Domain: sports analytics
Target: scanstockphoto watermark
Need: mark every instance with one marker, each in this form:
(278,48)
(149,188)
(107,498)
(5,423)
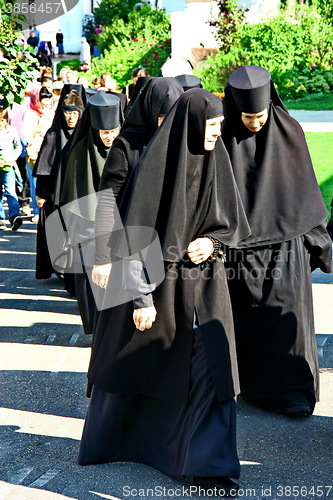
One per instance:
(274,492)
(186,492)
(76,235)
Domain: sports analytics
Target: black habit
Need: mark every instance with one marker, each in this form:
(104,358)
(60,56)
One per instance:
(141,123)
(270,271)
(49,169)
(85,164)
(164,397)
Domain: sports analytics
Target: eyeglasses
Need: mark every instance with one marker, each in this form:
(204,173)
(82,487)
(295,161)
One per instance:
(71,113)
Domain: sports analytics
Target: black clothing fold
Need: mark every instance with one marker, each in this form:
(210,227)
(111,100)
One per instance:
(197,437)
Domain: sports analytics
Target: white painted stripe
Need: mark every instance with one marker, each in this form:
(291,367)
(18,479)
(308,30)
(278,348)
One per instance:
(73,339)
(20,475)
(17,252)
(45,478)
(41,424)
(49,358)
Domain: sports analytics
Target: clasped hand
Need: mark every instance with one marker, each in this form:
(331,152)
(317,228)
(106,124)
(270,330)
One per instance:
(199,250)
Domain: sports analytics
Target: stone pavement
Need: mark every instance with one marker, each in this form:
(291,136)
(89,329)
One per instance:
(314,121)
(43,361)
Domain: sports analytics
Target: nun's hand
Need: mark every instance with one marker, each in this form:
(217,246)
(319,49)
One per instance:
(40,201)
(199,250)
(144,318)
(101,273)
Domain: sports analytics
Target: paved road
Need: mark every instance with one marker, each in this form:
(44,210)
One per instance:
(43,360)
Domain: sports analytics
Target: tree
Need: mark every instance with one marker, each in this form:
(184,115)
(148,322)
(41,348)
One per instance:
(17,65)
(227,24)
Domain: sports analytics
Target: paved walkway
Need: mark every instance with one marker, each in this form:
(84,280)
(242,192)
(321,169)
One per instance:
(314,121)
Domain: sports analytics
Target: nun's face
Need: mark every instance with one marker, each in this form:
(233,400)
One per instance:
(213,132)
(255,121)
(71,117)
(108,136)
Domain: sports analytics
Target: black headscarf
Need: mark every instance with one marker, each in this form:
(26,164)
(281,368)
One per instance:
(57,136)
(157,97)
(272,167)
(87,155)
(67,88)
(138,87)
(181,190)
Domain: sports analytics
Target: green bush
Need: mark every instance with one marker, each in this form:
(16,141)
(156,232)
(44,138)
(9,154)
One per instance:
(142,23)
(297,52)
(215,70)
(296,83)
(276,45)
(124,56)
(18,64)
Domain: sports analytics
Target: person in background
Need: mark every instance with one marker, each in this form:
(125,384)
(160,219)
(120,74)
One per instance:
(63,74)
(128,90)
(85,54)
(83,81)
(71,76)
(32,41)
(96,83)
(36,31)
(16,113)
(37,119)
(60,43)
(97,129)
(109,84)
(10,150)
(58,85)
(270,271)
(44,55)
(48,171)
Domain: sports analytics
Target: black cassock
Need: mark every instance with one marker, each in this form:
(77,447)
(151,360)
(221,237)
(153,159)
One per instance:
(270,272)
(165,396)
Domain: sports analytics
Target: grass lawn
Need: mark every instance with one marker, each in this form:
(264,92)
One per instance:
(313,102)
(320,146)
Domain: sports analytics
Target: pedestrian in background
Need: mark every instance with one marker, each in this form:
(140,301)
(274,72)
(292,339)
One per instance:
(10,150)
(60,43)
(85,55)
(37,119)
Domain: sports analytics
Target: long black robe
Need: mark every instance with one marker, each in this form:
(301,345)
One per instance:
(270,273)
(47,168)
(177,189)
(86,160)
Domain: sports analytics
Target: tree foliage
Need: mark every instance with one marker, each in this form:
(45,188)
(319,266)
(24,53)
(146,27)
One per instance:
(227,25)
(17,66)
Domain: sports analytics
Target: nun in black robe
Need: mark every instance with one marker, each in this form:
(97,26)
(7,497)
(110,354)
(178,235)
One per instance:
(165,397)
(86,159)
(153,103)
(48,168)
(270,272)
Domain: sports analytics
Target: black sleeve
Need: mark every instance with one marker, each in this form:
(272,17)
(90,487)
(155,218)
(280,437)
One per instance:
(43,187)
(113,179)
(319,245)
